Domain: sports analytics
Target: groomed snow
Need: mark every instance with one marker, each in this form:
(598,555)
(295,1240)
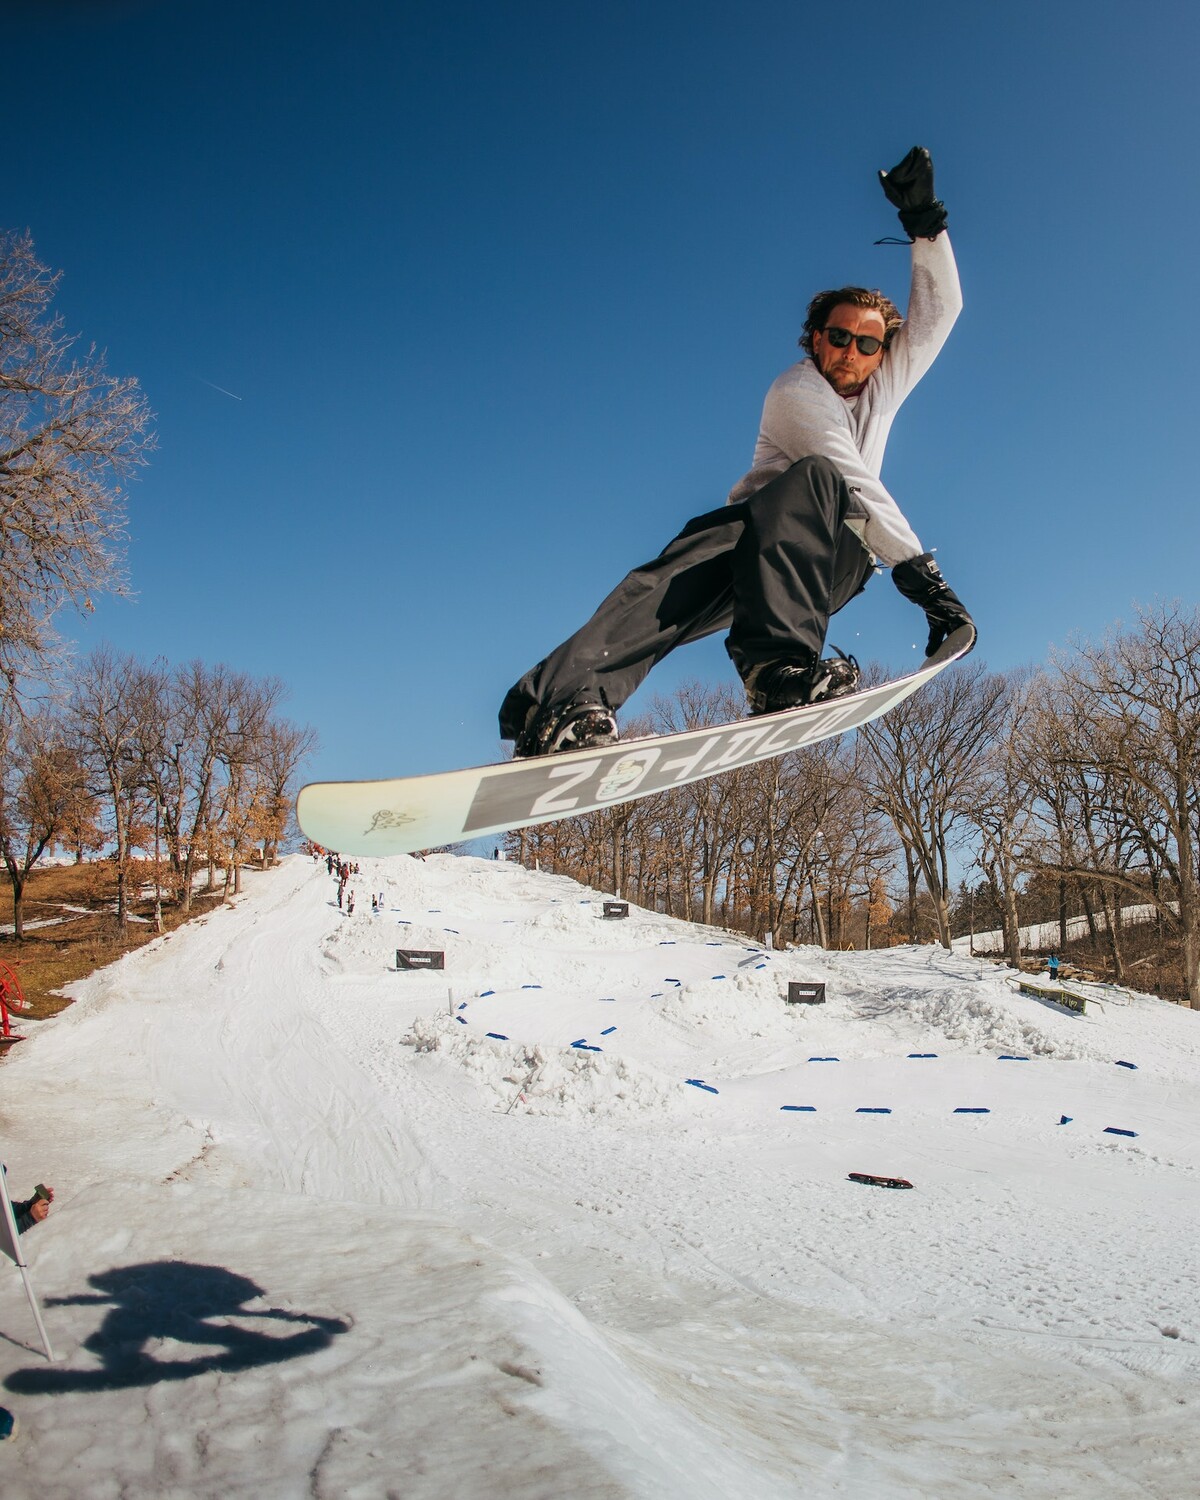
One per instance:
(317,1233)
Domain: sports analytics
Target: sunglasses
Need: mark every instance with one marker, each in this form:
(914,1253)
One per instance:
(841,338)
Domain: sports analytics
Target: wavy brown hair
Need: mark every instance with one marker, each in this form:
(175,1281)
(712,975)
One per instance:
(855,296)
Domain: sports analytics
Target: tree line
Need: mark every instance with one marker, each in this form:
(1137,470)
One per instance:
(1077,782)
(193,762)
(110,753)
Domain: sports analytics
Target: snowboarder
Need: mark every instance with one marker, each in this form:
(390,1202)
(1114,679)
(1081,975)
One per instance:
(798,536)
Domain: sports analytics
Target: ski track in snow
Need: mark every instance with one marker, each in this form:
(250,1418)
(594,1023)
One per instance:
(545,1269)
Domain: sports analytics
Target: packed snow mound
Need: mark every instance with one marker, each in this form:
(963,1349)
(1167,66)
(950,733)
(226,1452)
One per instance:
(979,1021)
(546,1081)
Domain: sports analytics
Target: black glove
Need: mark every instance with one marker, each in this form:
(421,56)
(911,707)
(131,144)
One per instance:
(920,579)
(909,185)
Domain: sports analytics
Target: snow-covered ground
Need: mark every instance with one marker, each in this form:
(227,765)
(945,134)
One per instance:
(325,1228)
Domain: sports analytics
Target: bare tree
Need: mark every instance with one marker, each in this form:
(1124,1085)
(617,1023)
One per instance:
(1134,706)
(1001,807)
(69,435)
(40,790)
(923,761)
(106,709)
(284,749)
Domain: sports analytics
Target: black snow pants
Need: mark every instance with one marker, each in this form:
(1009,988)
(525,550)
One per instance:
(771,569)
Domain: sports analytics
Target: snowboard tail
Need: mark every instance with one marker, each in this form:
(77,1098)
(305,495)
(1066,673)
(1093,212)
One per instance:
(421,812)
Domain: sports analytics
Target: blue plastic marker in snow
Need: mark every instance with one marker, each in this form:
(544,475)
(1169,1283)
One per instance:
(922,1054)
(672,981)
(608,1031)
(496,1036)
(482,993)
(1012,1057)
(462,1005)
(1127,1065)
(971,1110)
(462,1020)
(1066,1119)
(718,976)
(871,1109)
(824,1059)
(1115,1130)
(531,986)
(800,1109)
(699,1083)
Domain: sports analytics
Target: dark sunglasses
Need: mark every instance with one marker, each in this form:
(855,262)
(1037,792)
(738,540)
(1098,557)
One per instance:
(841,338)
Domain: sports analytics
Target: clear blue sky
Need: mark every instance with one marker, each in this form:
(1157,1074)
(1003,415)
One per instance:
(498,288)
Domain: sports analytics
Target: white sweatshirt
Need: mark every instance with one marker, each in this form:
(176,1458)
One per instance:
(803,415)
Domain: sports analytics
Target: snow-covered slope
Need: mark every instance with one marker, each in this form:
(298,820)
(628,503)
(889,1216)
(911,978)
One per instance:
(328,1228)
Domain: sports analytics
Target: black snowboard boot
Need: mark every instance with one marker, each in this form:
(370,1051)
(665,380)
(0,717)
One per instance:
(581,724)
(772,686)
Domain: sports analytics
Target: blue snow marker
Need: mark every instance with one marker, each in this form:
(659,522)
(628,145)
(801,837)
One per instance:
(1012,1057)
(608,1031)
(1115,1130)
(1066,1119)
(463,1005)
(403,922)
(922,1054)
(800,1109)
(657,994)
(871,1109)
(966,1109)
(454,930)
(760,966)
(667,980)
(482,993)
(497,1036)
(1127,1065)
(582,1046)
(531,986)
(718,976)
(462,1020)
(712,945)
(699,1083)
(667,943)
(608,1000)
(824,1059)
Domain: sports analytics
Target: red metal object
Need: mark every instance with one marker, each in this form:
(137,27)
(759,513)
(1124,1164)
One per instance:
(12,997)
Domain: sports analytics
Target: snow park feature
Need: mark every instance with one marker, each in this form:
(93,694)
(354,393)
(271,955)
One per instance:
(317,1232)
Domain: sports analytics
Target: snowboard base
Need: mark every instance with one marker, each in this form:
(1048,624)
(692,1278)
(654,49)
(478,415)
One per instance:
(410,813)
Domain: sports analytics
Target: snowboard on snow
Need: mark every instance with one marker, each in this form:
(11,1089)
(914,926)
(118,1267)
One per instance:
(426,812)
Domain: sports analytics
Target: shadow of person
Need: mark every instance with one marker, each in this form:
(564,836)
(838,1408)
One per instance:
(159,1305)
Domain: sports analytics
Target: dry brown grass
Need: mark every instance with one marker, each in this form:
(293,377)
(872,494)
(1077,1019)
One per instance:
(77,902)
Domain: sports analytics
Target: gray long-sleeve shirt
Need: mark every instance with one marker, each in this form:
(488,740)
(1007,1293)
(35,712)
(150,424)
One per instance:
(803,415)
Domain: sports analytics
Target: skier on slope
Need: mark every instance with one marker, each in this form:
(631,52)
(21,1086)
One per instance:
(798,536)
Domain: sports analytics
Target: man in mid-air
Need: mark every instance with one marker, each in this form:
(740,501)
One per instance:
(799,535)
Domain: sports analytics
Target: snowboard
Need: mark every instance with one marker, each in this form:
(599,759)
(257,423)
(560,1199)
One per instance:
(409,813)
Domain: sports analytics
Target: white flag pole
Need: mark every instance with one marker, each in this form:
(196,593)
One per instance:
(10,1244)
